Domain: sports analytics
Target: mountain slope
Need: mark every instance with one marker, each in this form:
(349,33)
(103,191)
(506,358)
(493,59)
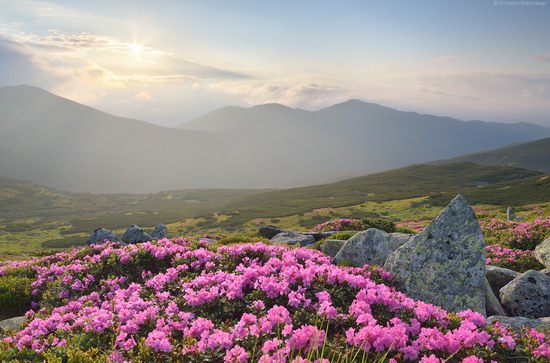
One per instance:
(534,155)
(59,143)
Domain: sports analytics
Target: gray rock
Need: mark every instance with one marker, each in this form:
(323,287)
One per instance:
(517,322)
(293,238)
(269,231)
(332,246)
(527,295)
(11,325)
(135,234)
(510,214)
(492,305)
(319,235)
(159,232)
(100,235)
(209,240)
(542,253)
(499,277)
(445,263)
(370,247)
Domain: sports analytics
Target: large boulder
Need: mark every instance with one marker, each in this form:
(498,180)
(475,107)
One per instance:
(499,277)
(159,232)
(518,322)
(293,238)
(528,295)
(320,235)
(135,234)
(370,247)
(445,263)
(100,235)
(269,231)
(542,253)
(332,246)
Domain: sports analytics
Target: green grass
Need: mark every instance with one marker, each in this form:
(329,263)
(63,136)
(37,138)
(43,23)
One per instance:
(36,219)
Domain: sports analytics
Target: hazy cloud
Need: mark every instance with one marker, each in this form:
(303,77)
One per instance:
(543,58)
(446,58)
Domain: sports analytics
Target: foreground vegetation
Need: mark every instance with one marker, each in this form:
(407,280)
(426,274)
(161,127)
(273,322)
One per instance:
(180,301)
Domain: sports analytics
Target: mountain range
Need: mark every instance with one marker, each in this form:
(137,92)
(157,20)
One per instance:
(59,143)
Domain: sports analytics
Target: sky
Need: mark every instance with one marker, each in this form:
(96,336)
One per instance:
(167,62)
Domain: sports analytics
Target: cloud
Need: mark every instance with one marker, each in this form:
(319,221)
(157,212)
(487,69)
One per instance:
(543,58)
(143,96)
(445,58)
(309,96)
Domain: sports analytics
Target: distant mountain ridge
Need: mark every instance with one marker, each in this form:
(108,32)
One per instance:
(59,143)
(533,155)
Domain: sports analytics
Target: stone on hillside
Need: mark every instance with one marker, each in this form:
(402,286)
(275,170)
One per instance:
(492,305)
(11,325)
(269,231)
(499,277)
(159,232)
(517,322)
(99,235)
(135,234)
(320,235)
(293,238)
(542,253)
(332,246)
(510,214)
(528,295)
(445,263)
(370,247)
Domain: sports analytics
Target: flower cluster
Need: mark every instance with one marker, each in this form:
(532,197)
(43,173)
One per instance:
(513,234)
(340,224)
(515,259)
(184,301)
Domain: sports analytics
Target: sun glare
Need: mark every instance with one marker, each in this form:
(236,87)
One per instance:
(136,50)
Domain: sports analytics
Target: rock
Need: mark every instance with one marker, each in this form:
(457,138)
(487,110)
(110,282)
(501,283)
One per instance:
(510,214)
(208,240)
(370,247)
(269,231)
(445,263)
(319,235)
(527,295)
(99,235)
(10,325)
(542,253)
(293,238)
(135,234)
(332,246)
(498,277)
(159,232)
(492,305)
(517,322)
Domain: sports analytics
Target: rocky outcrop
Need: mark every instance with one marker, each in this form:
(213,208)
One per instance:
(445,263)
(11,325)
(100,235)
(370,247)
(135,234)
(499,277)
(528,295)
(332,246)
(159,232)
(293,238)
(269,231)
(517,322)
(542,253)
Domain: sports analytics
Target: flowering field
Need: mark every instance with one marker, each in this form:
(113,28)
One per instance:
(178,301)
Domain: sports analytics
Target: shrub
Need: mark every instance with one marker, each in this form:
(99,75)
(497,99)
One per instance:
(519,235)
(15,296)
(514,259)
(346,224)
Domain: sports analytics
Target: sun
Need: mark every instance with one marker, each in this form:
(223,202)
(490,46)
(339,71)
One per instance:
(136,50)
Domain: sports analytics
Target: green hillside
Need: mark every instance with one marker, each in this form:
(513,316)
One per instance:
(34,217)
(534,155)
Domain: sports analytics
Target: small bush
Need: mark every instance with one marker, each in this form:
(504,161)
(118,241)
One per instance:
(15,295)
(345,235)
